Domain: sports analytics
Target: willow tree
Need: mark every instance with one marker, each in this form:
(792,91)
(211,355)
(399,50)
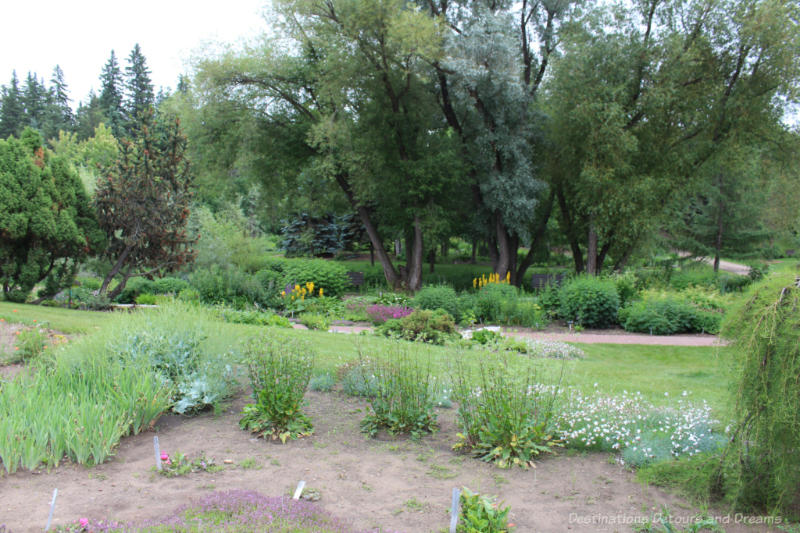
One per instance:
(354,75)
(646,95)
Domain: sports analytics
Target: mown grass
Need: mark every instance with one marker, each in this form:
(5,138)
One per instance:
(651,370)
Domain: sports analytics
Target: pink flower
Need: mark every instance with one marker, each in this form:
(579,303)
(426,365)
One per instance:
(164,457)
(83,522)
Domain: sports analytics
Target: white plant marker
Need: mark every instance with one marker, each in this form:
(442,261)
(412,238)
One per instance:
(299,490)
(158,453)
(454,510)
(52,508)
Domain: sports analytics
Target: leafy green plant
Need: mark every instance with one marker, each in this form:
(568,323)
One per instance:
(146,299)
(180,464)
(322,383)
(505,420)
(315,321)
(480,514)
(667,315)
(30,343)
(280,369)
(663,523)
(491,299)
(589,301)
(404,393)
(357,380)
(327,275)
(251,317)
(433,297)
(435,327)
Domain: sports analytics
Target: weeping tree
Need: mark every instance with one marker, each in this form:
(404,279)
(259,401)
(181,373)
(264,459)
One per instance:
(762,466)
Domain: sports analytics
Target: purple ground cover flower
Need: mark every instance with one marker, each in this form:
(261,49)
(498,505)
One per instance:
(381,313)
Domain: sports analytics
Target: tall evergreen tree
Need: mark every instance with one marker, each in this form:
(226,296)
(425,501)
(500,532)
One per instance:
(138,89)
(110,100)
(35,98)
(12,114)
(60,116)
(89,116)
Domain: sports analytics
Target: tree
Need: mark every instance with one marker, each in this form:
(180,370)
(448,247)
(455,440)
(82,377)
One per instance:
(88,116)
(47,225)
(139,96)
(143,204)
(12,113)
(111,95)
(59,112)
(35,98)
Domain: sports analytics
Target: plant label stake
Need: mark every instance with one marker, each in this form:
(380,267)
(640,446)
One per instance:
(52,508)
(158,453)
(299,490)
(454,510)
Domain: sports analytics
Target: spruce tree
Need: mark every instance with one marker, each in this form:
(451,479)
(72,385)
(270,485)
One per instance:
(139,92)
(110,100)
(12,114)
(60,116)
(89,116)
(35,100)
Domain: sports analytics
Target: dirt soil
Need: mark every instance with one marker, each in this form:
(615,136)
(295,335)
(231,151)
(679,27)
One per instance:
(391,483)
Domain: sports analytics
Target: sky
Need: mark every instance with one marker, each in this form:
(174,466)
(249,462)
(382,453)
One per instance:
(79,35)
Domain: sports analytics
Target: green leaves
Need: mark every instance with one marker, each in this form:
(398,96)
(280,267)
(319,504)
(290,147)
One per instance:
(479,514)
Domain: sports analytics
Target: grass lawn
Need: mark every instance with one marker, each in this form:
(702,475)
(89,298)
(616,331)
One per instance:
(651,370)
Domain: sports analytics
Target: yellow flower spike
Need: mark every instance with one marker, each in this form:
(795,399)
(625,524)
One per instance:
(474,282)
(320,292)
(283,293)
(297,287)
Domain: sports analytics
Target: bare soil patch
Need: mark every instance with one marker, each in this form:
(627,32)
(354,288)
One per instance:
(392,483)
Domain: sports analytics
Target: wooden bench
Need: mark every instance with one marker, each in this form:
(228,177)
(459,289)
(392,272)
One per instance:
(356,278)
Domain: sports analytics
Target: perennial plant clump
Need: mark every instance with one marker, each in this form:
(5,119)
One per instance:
(280,369)
(379,313)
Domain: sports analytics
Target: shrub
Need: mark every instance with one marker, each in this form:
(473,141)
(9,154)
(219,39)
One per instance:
(134,288)
(146,299)
(228,285)
(524,312)
(435,327)
(505,420)
(491,298)
(626,287)
(280,369)
(434,297)
(589,301)
(404,395)
(379,314)
(327,275)
(169,286)
(667,316)
(252,317)
(480,514)
(315,321)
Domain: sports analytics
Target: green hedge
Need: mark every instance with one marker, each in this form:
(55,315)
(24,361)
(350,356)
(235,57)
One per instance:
(589,301)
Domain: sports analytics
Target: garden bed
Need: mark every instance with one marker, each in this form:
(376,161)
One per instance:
(388,482)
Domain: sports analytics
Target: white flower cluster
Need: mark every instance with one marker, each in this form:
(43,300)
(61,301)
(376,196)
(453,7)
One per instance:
(553,349)
(614,423)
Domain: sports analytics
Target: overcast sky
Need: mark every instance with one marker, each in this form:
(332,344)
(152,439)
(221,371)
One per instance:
(79,35)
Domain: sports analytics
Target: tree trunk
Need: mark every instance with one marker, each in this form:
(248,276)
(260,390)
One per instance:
(371,254)
(114,271)
(569,231)
(415,263)
(591,250)
(432,259)
(718,242)
(375,240)
(503,247)
(536,239)
(120,286)
(474,251)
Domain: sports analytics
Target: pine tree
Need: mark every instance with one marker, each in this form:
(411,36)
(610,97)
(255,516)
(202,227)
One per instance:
(110,100)
(138,89)
(12,114)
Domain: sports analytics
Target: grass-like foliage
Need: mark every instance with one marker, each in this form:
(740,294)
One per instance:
(503,416)
(85,396)
(31,342)
(480,514)
(233,511)
(280,368)
(764,463)
(404,392)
